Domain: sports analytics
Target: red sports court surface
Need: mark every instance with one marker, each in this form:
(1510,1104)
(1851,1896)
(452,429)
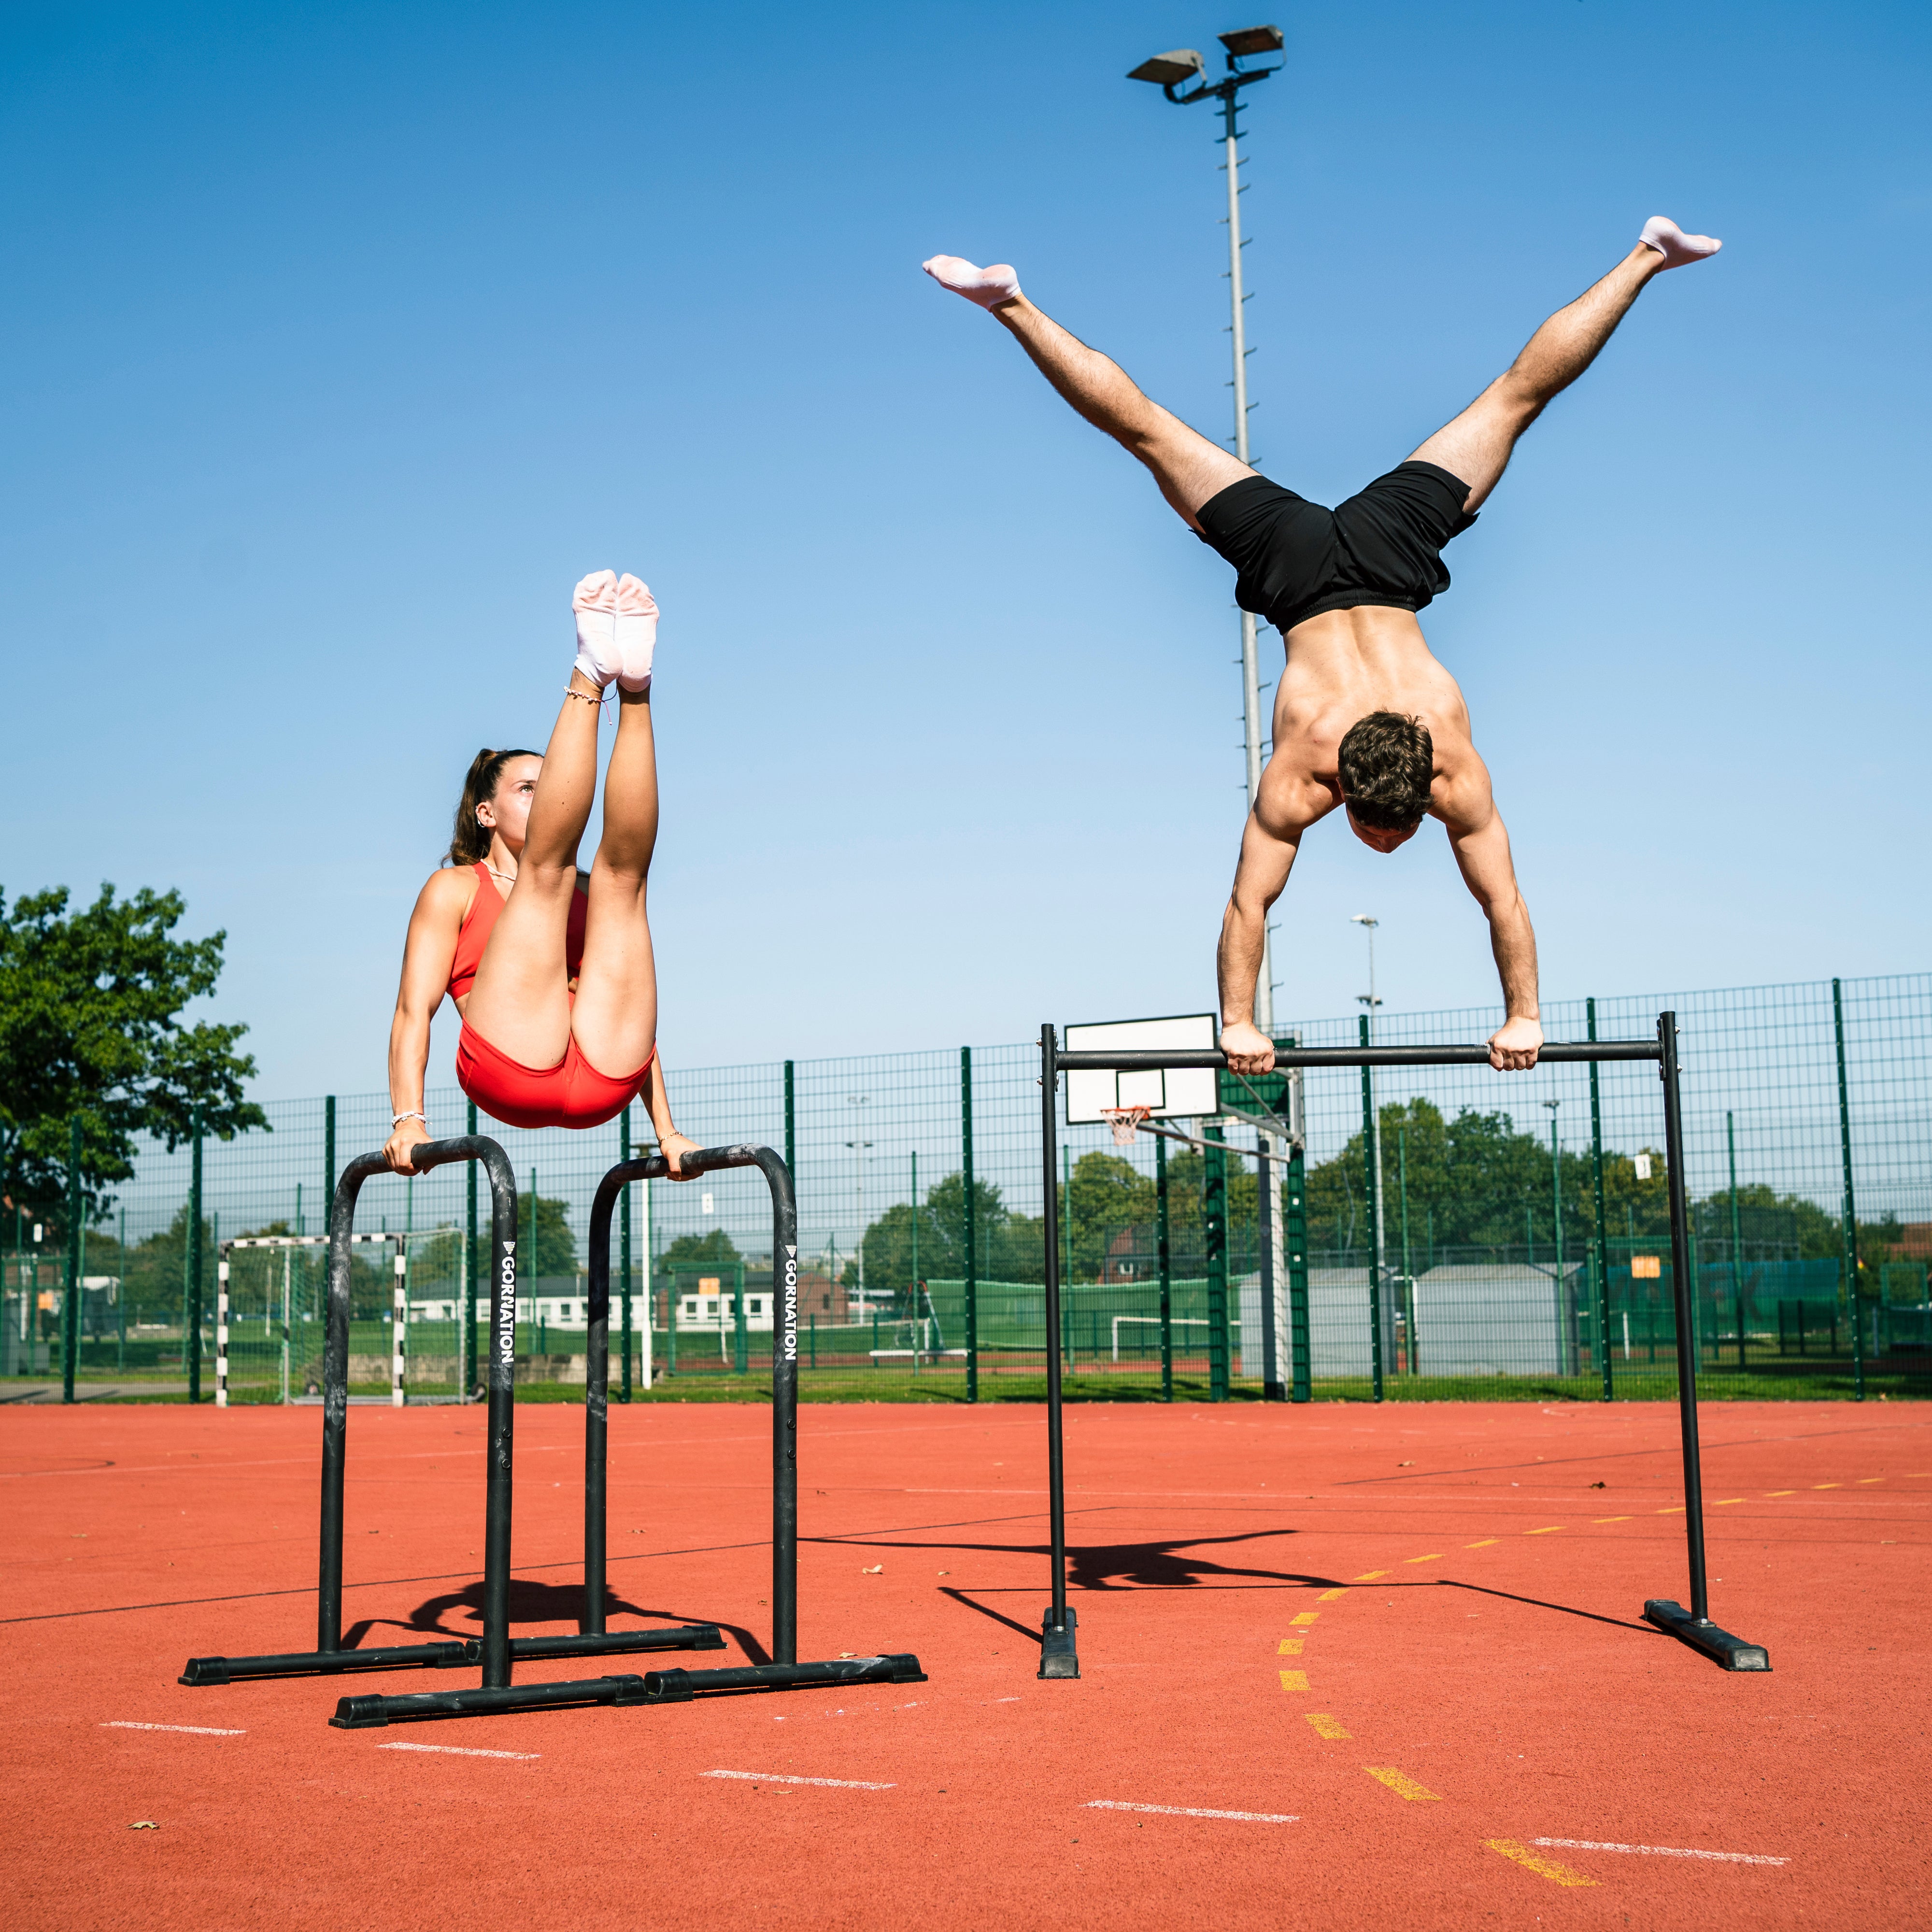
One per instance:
(1343,1667)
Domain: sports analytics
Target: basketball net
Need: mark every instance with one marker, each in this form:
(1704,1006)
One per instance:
(1124,1121)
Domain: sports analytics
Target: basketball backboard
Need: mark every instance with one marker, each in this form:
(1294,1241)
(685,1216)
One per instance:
(1167,1092)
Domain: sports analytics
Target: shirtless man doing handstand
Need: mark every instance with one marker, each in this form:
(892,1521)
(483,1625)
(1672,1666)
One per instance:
(1364,716)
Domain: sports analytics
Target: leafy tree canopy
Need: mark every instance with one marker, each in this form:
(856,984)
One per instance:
(708,1253)
(90,1025)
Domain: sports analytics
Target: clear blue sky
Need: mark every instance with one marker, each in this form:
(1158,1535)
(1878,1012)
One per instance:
(340,340)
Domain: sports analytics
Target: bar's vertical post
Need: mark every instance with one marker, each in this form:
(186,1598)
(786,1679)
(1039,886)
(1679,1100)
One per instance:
(647,1290)
(505,1261)
(1214,1230)
(1297,1231)
(1597,1182)
(612,1191)
(194,1263)
(1164,1260)
(1683,1295)
(1850,1222)
(1057,1658)
(968,1235)
(624,1251)
(1372,1189)
(70,1301)
(334,1412)
(473,1286)
(784,1415)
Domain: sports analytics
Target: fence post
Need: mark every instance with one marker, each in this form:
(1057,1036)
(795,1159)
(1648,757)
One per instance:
(623,1248)
(467,1366)
(1371,1182)
(1164,1260)
(70,1302)
(194,1262)
(1850,1231)
(1737,1238)
(1602,1259)
(1296,1232)
(1214,1219)
(971,1285)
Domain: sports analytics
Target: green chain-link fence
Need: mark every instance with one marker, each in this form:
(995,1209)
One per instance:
(1519,1236)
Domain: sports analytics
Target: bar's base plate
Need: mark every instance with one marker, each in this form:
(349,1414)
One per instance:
(611,1643)
(333,1663)
(363,1714)
(680,1687)
(1733,1653)
(1059,1650)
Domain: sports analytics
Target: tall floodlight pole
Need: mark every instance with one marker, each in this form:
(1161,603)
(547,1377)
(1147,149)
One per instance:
(1371,1001)
(1168,71)
(859,1145)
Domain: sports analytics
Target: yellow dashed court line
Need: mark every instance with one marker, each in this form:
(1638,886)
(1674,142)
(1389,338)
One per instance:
(1781,1492)
(1535,1862)
(1308,1616)
(1485,1544)
(1552,1531)
(1326,1727)
(1291,1646)
(1726,1502)
(1613,1519)
(1329,1596)
(1676,1509)
(1871,1479)
(1435,1557)
(1828,1485)
(1369,1575)
(1401,1785)
(1294,1680)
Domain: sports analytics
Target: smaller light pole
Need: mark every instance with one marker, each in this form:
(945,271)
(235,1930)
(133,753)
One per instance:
(1556,1184)
(859,1145)
(1371,1001)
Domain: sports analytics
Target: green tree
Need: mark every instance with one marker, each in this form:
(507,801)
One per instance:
(90,1024)
(707,1253)
(554,1246)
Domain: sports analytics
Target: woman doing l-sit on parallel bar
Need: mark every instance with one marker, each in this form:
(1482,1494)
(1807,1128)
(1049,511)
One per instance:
(1364,715)
(552,972)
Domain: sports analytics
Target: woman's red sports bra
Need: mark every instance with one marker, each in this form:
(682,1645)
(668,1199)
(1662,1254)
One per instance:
(480,921)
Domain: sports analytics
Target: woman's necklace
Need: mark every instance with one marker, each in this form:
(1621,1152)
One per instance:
(508,878)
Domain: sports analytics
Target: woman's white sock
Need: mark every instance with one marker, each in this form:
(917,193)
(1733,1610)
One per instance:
(1676,247)
(637,632)
(989,287)
(595,601)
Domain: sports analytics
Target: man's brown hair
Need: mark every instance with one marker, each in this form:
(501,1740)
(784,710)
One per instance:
(1385,764)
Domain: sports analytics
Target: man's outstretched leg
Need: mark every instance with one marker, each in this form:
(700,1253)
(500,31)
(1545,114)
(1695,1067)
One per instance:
(1476,446)
(1188,467)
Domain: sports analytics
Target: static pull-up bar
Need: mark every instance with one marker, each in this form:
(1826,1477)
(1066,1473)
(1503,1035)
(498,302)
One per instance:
(1058,1656)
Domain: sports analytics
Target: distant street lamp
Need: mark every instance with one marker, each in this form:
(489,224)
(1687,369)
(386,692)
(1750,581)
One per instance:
(1368,924)
(1168,71)
(858,1148)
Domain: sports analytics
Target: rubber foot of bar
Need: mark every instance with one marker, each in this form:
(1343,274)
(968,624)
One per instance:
(1732,1653)
(1059,1653)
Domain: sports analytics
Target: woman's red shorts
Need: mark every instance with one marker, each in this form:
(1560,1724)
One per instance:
(572,1093)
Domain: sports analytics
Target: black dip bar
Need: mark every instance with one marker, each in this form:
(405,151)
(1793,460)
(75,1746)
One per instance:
(495,1649)
(784,1672)
(1058,1655)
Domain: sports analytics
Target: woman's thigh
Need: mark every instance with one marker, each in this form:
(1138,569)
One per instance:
(520,1001)
(616,1016)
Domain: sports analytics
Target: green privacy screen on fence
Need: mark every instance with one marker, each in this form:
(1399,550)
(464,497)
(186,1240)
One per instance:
(1521,1235)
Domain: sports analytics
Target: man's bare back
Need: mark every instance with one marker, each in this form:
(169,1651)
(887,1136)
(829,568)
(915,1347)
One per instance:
(1365,717)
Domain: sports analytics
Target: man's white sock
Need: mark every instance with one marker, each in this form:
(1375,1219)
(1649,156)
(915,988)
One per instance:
(1676,247)
(595,601)
(637,632)
(989,287)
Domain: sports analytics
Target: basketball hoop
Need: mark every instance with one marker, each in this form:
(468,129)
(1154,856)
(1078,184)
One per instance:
(1124,1121)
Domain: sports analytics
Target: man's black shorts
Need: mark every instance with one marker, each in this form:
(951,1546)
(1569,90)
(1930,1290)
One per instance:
(1295,558)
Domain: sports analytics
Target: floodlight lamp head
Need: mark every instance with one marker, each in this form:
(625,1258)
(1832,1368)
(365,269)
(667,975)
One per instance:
(1362,918)
(1171,69)
(1252,40)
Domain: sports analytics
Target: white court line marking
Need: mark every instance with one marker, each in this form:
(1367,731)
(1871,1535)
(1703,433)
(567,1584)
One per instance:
(197,1730)
(784,1778)
(461,1750)
(1193,1811)
(1663,1852)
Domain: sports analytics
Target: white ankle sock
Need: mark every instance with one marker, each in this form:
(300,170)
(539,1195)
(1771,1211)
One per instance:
(1676,247)
(989,287)
(596,603)
(637,632)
